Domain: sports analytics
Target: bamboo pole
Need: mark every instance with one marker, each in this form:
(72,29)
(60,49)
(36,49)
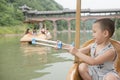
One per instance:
(77,34)
(73,73)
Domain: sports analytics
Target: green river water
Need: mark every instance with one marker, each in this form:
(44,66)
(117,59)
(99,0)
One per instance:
(29,62)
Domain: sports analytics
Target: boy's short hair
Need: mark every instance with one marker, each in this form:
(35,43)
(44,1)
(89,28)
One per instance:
(107,24)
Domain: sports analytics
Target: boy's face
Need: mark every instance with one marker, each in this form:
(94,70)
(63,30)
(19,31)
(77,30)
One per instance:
(98,33)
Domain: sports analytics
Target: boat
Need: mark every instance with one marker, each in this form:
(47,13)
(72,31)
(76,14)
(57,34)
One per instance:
(73,73)
(27,38)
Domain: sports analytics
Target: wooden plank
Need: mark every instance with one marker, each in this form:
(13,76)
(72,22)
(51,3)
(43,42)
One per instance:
(73,73)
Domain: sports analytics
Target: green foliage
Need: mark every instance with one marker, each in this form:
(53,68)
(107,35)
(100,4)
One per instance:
(62,25)
(88,24)
(118,23)
(13,30)
(117,34)
(37,4)
(10,14)
(49,25)
(73,25)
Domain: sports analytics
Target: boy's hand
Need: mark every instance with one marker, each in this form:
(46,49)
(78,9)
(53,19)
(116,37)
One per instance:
(71,49)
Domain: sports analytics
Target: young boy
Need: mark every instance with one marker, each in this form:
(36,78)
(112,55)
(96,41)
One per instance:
(100,66)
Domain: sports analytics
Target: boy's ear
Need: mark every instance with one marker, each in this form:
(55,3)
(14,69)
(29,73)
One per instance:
(106,33)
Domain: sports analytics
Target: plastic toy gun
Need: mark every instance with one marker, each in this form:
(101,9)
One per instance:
(50,43)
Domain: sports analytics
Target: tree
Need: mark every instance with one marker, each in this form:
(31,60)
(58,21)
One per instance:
(11,15)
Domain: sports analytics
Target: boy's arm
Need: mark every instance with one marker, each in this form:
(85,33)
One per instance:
(107,56)
(85,50)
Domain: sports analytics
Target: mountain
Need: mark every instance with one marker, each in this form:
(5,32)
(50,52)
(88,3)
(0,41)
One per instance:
(10,13)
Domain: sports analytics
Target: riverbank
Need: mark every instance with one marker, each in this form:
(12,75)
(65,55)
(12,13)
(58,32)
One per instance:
(18,29)
(10,35)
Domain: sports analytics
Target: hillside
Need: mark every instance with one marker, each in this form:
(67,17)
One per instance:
(37,4)
(11,15)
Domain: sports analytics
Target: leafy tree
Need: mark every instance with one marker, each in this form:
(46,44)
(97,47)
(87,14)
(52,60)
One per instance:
(118,23)
(10,14)
(62,25)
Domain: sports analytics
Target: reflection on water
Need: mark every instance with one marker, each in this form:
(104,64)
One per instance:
(29,50)
(65,56)
(40,51)
(56,71)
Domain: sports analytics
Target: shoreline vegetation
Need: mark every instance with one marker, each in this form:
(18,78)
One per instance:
(117,33)
(10,31)
(20,29)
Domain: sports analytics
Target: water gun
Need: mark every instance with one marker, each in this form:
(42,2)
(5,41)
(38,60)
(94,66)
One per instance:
(55,44)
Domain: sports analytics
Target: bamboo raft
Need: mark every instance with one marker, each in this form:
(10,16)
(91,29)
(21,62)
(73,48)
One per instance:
(28,37)
(73,72)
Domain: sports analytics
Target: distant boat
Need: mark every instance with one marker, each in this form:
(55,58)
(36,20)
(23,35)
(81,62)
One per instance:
(27,38)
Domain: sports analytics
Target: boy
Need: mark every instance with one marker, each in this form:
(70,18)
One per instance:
(100,66)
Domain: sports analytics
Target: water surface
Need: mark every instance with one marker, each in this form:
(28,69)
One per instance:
(29,62)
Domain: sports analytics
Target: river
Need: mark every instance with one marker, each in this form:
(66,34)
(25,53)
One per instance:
(34,62)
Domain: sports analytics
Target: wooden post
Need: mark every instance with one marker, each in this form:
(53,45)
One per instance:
(73,72)
(77,34)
